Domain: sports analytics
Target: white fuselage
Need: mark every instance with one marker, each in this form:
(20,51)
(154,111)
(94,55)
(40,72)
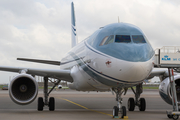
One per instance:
(93,70)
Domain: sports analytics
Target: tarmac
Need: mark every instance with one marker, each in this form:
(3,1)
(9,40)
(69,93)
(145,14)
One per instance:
(75,105)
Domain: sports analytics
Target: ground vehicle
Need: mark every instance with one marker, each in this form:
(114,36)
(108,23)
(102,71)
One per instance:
(5,88)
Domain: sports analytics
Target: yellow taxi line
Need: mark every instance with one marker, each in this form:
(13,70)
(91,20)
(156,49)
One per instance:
(87,108)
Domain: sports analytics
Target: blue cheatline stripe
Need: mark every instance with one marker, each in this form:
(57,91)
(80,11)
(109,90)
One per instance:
(94,50)
(62,63)
(73,28)
(94,73)
(101,73)
(109,76)
(74,32)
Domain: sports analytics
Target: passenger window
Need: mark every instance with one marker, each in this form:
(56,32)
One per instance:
(109,40)
(138,39)
(103,41)
(123,39)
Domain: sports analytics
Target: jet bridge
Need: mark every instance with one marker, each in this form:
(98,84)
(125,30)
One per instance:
(169,57)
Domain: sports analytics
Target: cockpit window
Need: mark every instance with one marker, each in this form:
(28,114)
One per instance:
(123,39)
(103,41)
(138,39)
(109,40)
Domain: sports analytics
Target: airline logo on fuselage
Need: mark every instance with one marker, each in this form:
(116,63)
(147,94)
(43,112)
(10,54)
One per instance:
(166,58)
(108,63)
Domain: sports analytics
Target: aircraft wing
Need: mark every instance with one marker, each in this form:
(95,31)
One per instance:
(53,73)
(157,73)
(41,61)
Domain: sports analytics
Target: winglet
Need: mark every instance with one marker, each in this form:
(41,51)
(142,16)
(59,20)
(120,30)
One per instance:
(73,26)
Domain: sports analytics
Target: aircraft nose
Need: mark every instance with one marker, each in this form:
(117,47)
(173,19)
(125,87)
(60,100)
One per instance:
(134,72)
(138,72)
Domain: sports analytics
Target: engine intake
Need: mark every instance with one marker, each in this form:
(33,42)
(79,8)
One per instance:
(165,90)
(23,89)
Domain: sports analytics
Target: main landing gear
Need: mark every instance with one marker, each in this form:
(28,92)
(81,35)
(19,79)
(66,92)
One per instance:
(141,103)
(51,102)
(119,108)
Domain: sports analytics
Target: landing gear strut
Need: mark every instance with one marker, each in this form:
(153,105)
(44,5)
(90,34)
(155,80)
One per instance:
(140,102)
(51,102)
(119,108)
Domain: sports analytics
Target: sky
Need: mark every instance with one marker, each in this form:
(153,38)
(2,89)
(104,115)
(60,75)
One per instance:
(41,29)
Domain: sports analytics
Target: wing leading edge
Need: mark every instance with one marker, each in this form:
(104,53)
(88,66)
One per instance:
(53,73)
(40,61)
(157,73)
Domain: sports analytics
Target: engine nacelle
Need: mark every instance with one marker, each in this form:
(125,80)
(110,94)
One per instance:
(59,86)
(23,89)
(71,86)
(165,89)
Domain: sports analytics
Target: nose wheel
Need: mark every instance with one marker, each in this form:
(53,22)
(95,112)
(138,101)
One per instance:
(116,111)
(119,108)
(123,111)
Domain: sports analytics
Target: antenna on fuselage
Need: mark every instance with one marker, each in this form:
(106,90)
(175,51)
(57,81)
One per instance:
(118,20)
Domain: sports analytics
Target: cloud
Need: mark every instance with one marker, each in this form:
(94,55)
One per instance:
(41,28)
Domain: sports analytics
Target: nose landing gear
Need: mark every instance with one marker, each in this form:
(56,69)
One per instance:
(119,108)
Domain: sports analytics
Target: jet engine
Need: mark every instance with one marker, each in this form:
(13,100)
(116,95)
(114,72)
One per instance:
(165,89)
(23,89)
(59,86)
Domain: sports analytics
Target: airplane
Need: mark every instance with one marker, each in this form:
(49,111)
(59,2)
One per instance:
(114,58)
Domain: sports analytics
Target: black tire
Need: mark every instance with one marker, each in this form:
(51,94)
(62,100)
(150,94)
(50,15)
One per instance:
(169,116)
(40,104)
(115,111)
(142,106)
(175,117)
(131,104)
(123,111)
(51,104)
